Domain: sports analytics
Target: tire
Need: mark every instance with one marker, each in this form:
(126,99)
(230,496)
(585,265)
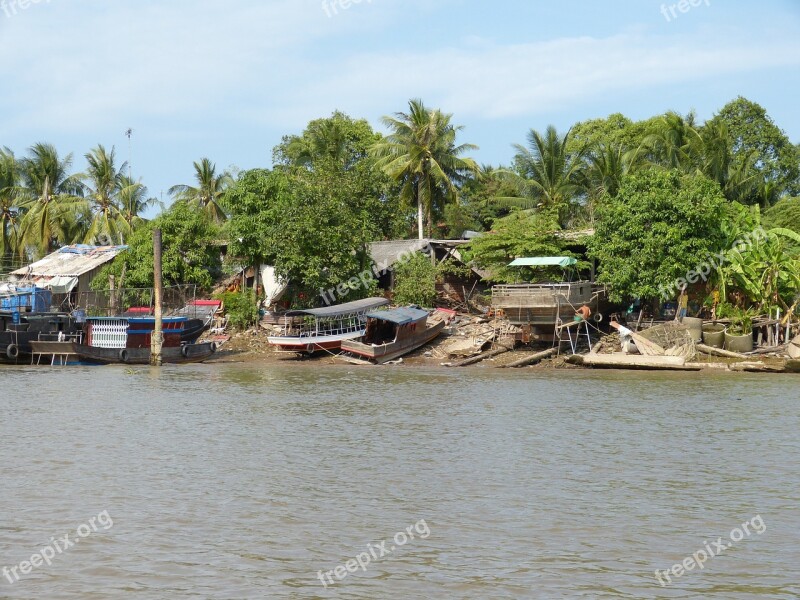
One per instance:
(12,351)
(213,347)
(311,349)
(185,351)
(123,355)
(598,318)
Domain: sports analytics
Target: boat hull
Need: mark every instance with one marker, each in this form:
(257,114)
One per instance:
(16,338)
(310,344)
(141,356)
(386,352)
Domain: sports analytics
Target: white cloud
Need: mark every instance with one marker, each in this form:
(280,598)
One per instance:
(280,63)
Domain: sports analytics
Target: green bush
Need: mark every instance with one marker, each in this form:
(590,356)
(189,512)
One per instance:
(415,281)
(241,308)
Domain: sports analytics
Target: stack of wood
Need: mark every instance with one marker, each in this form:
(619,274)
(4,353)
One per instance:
(473,335)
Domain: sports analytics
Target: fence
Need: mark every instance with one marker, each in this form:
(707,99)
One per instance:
(176,300)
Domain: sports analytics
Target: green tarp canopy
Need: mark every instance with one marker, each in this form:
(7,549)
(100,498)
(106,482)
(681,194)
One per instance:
(544,261)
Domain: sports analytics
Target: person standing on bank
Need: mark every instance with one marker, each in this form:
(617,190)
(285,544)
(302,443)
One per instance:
(683,304)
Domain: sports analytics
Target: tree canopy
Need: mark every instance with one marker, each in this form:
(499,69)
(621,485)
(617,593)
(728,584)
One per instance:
(659,225)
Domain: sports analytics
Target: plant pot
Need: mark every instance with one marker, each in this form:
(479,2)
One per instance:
(739,343)
(714,335)
(695,327)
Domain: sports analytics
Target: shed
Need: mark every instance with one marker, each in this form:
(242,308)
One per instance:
(67,271)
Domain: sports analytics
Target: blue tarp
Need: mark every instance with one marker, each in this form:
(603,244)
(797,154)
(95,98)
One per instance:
(400,316)
(34,298)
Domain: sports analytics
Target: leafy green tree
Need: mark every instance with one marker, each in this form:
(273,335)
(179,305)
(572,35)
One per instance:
(421,154)
(753,132)
(208,194)
(313,226)
(616,131)
(189,251)
(339,144)
(338,140)
(522,233)
(659,226)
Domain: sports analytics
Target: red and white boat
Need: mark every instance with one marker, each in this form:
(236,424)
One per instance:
(314,329)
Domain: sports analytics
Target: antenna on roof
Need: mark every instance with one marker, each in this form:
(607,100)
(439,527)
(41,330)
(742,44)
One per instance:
(129,133)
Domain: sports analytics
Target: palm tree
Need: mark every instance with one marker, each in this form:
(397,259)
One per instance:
(676,143)
(421,154)
(133,201)
(547,176)
(10,203)
(103,182)
(52,192)
(209,192)
(324,138)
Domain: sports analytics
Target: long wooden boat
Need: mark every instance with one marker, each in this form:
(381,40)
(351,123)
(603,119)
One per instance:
(392,333)
(127,340)
(185,353)
(311,330)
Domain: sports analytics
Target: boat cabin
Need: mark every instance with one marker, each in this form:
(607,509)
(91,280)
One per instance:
(386,326)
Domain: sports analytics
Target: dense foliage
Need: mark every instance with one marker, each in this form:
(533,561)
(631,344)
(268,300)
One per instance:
(522,233)
(241,308)
(663,190)
(659,225)
(415,281)
(190,252)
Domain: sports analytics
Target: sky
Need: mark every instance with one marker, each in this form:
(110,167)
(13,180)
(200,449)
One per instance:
(226,80)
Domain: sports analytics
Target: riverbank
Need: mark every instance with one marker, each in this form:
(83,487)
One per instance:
(251,347)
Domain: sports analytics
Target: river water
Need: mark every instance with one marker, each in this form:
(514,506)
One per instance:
(247,481)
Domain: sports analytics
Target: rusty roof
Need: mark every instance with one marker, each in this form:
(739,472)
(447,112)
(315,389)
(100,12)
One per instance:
(70,261)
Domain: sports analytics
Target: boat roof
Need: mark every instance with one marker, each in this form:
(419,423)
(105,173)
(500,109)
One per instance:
(400,316)
(340,309)
(544,261)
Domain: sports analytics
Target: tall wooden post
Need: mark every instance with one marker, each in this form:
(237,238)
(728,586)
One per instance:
(158,335)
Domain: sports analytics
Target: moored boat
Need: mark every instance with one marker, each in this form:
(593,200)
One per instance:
(19,330)
(127,340)
(314,329)
(392,333)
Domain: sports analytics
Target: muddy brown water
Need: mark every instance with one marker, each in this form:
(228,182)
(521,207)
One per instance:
(254,481)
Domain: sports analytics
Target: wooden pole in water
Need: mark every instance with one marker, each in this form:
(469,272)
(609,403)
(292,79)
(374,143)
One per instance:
(158,336)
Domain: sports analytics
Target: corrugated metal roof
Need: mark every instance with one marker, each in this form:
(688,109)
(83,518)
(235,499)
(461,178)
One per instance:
(341,309)
(400,316)
(69,261)
(386,254)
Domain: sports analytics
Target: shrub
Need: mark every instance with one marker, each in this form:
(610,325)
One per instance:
(241,308)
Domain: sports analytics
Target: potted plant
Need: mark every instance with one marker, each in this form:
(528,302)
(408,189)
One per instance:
(739,335)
